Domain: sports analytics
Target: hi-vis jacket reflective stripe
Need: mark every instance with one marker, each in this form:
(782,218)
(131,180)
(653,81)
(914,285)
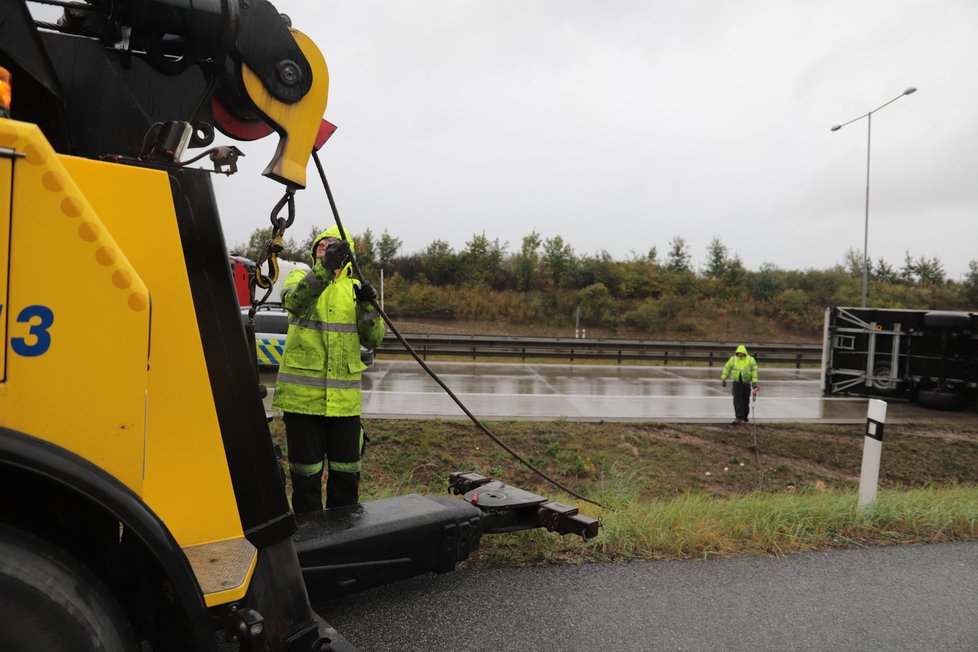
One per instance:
(321,366)
(740,369)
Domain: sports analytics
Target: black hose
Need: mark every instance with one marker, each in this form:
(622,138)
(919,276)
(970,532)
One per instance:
(414,354)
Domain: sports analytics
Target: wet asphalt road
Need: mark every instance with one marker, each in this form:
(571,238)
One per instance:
(401,389)
(587,392)
(920,597)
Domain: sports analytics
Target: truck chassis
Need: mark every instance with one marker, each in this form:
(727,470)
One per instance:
(924,356)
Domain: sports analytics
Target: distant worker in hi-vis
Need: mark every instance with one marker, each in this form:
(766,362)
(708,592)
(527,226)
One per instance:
(741,369)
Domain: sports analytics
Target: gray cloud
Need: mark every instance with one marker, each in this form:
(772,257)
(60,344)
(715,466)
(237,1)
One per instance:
(619,125)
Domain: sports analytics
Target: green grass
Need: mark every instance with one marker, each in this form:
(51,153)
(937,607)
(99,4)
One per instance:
(682,491)
(698,526)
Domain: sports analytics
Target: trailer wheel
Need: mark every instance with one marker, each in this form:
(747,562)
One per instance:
(883,385)
(50,602)
(947,399)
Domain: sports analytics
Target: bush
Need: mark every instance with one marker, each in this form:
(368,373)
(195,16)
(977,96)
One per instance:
(420,300)
(791,307)
(658,316)
(767,283)
(598,307)
(644,317)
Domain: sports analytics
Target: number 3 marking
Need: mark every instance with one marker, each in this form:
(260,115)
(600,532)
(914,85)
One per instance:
(39,331)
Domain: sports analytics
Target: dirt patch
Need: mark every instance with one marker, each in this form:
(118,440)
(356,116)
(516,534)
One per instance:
(657,460)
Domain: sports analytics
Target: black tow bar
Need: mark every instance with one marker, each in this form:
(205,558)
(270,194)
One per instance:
(508,509)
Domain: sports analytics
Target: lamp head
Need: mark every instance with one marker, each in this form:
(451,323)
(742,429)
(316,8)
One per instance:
(910,91)
(836,127)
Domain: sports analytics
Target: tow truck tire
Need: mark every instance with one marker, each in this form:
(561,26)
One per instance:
(941,400)
(50,602)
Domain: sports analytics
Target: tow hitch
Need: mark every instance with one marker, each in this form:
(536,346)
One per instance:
(507,509)
(348,549)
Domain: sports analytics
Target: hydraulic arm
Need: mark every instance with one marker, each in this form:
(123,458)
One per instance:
(115,70)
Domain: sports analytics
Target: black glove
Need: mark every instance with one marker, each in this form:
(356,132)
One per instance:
(723,382)
(365,292)
(336,255)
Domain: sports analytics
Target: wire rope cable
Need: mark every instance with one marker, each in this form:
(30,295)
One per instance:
(400,338)
(757,454)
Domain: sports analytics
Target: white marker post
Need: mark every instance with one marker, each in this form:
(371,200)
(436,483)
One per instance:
(872,448)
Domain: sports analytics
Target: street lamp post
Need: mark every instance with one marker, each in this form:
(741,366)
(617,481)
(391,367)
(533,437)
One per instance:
(869,137)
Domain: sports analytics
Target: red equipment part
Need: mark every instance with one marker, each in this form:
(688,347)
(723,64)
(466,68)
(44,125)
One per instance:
(241,271)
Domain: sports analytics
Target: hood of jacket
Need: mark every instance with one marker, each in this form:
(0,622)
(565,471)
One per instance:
(740,349)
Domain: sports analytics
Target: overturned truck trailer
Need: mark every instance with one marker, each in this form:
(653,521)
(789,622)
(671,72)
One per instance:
(926,356)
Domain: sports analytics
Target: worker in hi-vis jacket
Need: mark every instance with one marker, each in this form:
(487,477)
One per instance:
(331,315)
(741,369)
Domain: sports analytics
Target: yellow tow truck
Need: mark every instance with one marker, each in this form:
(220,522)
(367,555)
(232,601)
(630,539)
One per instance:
(141,502)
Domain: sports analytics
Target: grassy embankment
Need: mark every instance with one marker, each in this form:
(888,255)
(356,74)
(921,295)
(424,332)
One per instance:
(679,491)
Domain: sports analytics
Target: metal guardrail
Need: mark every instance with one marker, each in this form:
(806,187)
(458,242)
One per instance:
(708,353)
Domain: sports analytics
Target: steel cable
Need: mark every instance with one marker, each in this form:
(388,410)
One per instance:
(428,370)
(757,454)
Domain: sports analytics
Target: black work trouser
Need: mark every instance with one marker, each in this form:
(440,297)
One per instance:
(311,439)
(741,399)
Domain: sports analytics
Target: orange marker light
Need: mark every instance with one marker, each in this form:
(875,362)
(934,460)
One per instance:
(5,93)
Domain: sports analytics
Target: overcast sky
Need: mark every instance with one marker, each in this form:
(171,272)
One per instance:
(621,124)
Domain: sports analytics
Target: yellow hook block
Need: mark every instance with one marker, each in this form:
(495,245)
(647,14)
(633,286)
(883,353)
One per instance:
(297,124)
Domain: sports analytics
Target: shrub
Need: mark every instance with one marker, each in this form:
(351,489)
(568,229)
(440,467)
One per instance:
(598,307)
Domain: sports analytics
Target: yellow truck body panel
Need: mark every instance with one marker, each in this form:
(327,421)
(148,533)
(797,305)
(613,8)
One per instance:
(67,380)
(81,368)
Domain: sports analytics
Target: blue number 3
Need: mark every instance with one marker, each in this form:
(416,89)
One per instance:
(42,339)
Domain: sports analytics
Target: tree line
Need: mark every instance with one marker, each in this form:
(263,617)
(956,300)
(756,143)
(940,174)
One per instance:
(547,284)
